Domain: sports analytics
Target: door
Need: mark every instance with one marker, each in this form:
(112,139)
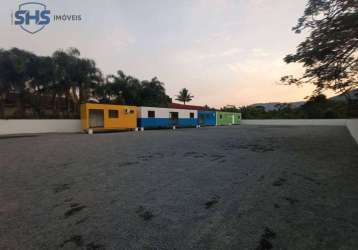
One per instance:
(96,118)
(233,119)
(173,118)
(201,119)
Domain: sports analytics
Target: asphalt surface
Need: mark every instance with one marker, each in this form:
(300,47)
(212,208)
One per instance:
(238,187)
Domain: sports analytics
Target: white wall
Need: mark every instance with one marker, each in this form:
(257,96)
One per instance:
(297,122)
(352,125)
(39,126)
(164,112)
(74,126)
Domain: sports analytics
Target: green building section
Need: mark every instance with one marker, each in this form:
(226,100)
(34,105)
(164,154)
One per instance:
(227,118)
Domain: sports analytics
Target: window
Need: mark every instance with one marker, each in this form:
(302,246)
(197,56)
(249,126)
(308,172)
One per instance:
(131,111)
(221,116)
(174,115)
(113,113)
(151,114)
(191,115)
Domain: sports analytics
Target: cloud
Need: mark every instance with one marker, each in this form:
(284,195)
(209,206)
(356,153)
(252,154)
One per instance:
(194,56)
(116,40)
(257,52)
(225,53)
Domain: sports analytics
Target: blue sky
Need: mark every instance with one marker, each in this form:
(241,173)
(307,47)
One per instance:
(224,51)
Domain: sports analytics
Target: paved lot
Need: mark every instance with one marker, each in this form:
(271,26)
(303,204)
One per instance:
(243,187)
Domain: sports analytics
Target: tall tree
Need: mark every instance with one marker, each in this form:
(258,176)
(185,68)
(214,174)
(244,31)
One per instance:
(126,88)
(184,96)
(5,76)
(153,93)
(121,89)
(329,54)
(75,78)
(63,66)
(42,72)
(65,80)
(86,76)
(15,74)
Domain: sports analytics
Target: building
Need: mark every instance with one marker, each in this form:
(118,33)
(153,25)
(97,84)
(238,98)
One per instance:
(206,118)
(227,118)
(99,117)
(152,117)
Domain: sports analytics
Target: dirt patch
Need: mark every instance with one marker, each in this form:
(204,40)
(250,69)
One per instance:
(217,157)
(78,241)
(68,199)
(148,157)
(292,201)
(75,208)
(75,239)
(279,182)
(81,220)
(144,213)
(265,241)
(94,246)
(214,200)
(194,154)
(60,188)
(307,178)
(128,163)
(257,148)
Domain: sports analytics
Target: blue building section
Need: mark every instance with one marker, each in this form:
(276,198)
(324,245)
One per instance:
(166,122)
(207,118)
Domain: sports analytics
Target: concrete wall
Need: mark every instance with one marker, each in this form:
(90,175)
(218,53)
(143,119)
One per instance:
(352,125)
(39,126)
(74,126)
(297,122)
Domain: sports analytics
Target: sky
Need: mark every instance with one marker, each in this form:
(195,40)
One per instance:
(226,52)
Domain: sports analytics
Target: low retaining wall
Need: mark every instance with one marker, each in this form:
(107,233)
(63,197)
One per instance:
(297,122)
(352,125)
(74,126)
(39,126)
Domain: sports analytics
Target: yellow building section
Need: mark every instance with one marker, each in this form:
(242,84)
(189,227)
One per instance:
(108,117)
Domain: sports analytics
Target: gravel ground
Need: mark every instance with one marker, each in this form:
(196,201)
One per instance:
(238,187)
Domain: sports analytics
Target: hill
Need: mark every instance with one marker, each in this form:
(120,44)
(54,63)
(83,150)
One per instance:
(270,106)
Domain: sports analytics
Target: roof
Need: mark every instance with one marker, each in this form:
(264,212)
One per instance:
(182,106)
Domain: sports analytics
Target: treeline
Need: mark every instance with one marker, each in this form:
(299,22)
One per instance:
(317,107)
(33,86)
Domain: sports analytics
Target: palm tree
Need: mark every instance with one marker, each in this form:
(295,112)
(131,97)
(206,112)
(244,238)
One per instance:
(66,80)
(184,96)
(86,77)
(75,78)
